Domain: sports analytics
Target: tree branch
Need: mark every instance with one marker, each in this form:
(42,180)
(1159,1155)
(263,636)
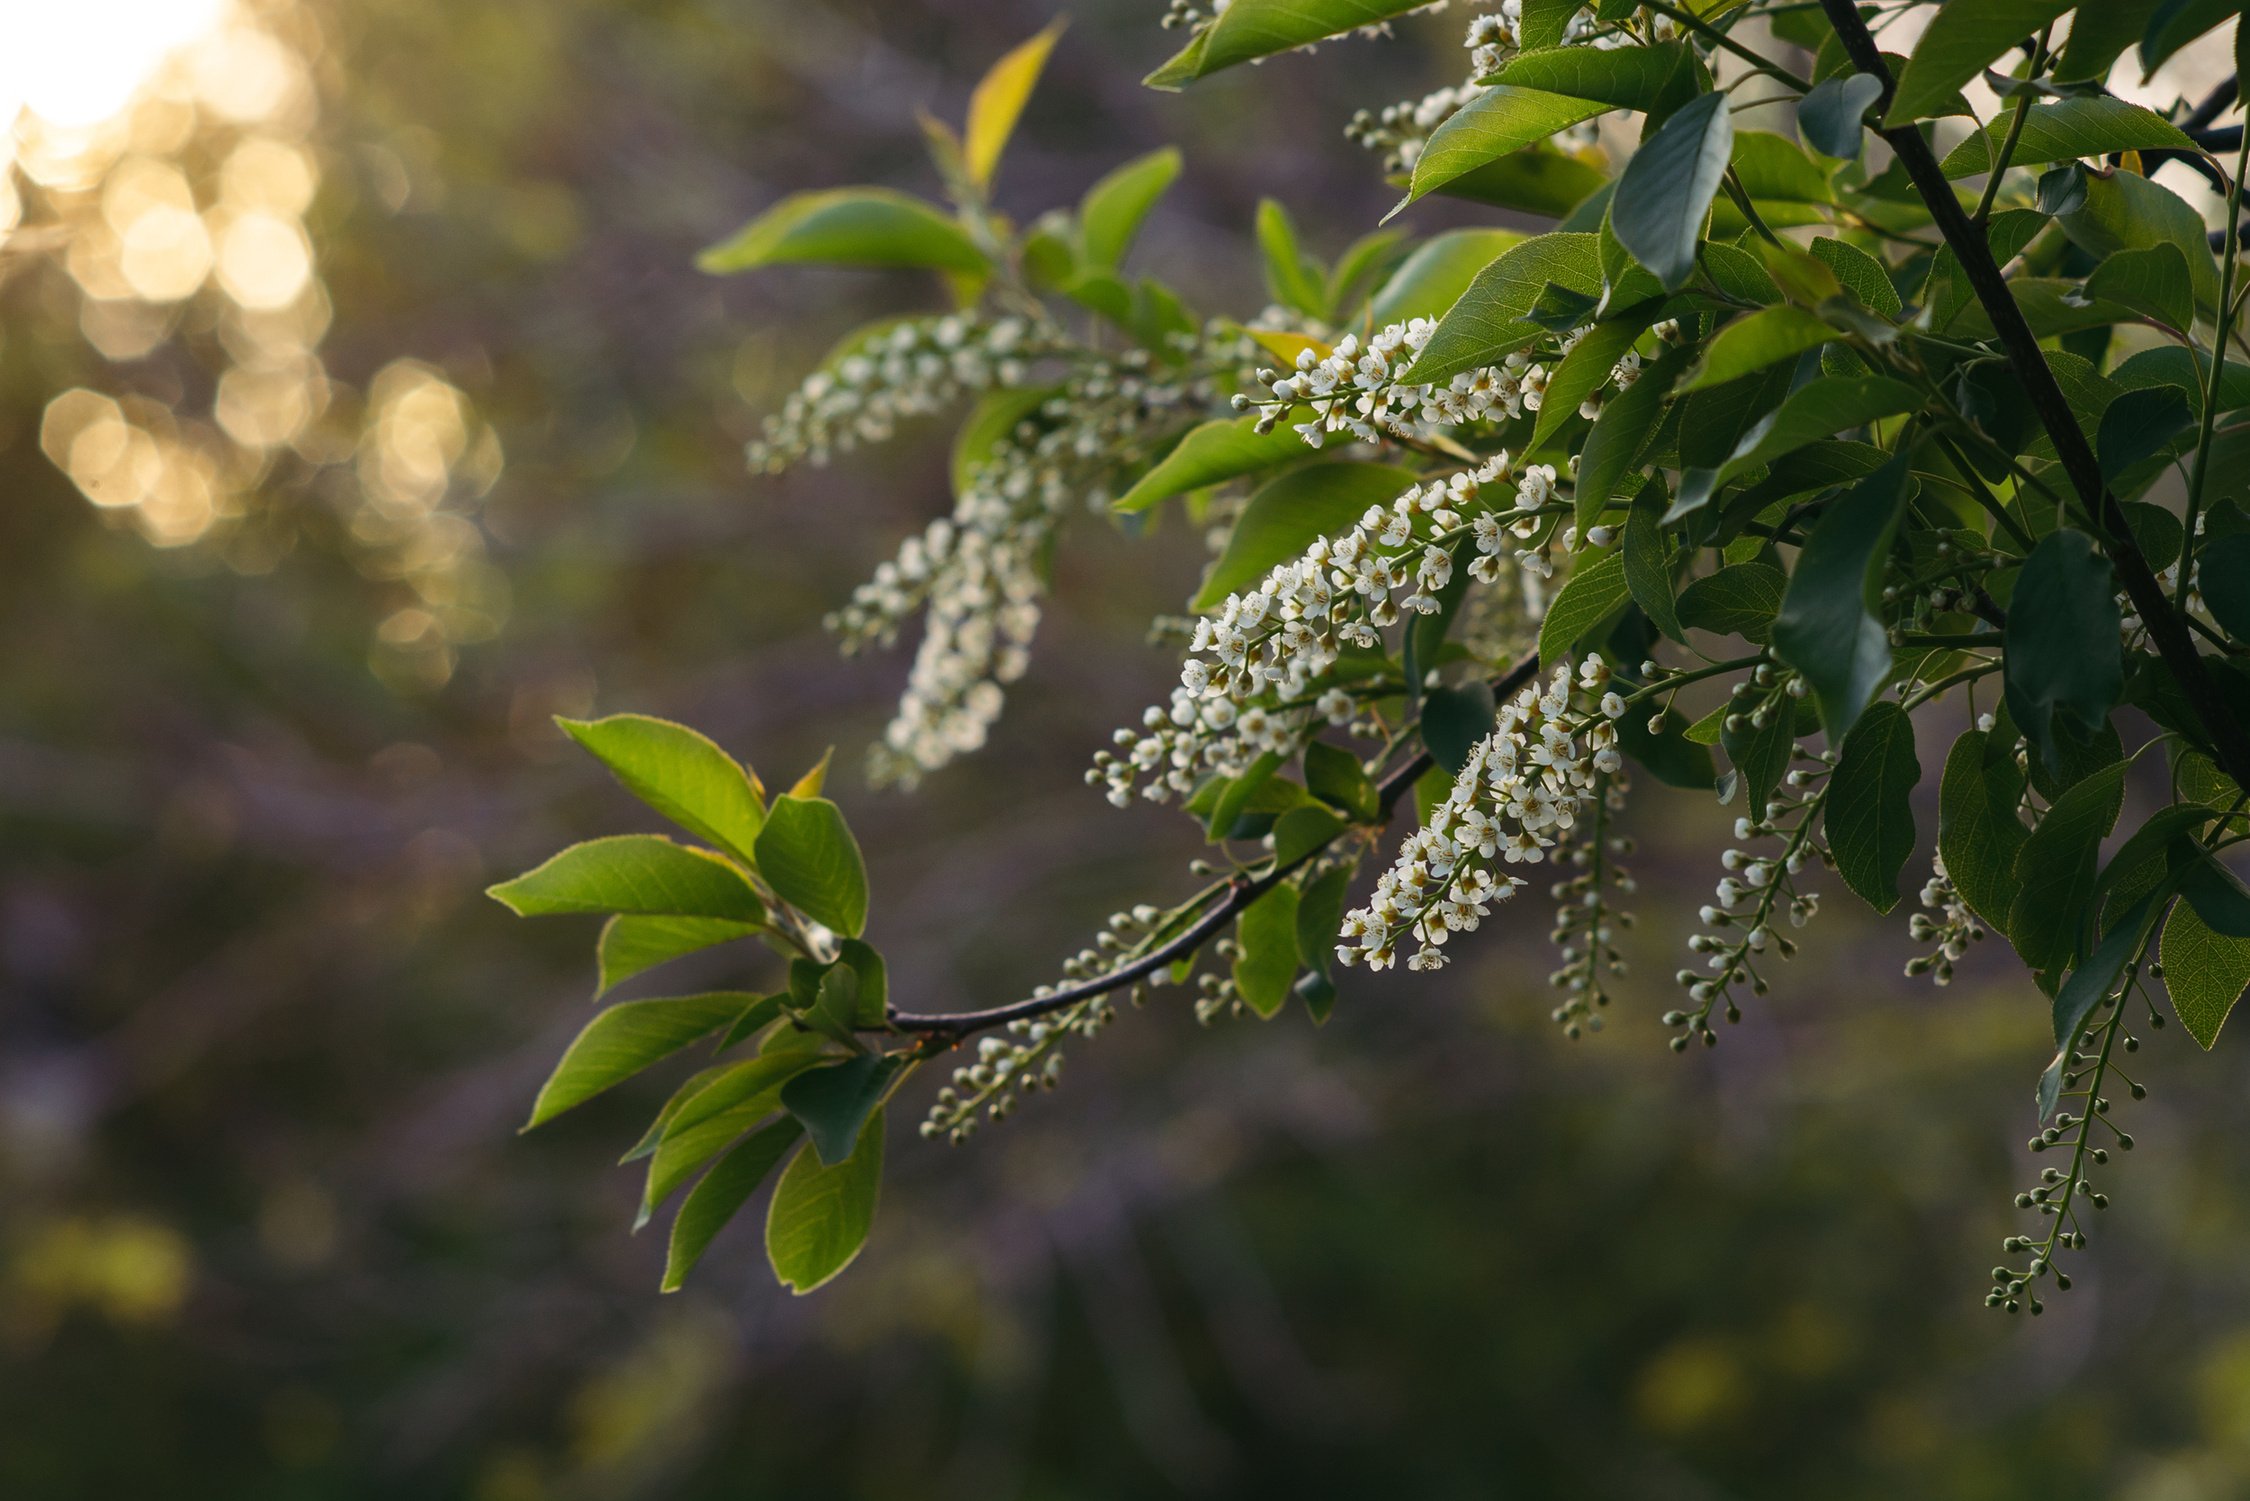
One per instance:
(1240,893)
(2166,631)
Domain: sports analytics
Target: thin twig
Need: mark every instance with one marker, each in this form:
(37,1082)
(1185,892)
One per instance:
(1240,893)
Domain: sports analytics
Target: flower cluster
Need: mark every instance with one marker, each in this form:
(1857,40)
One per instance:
(1259,674)
(910,369)
(1355,389)
(1952,930)
(979,574)
(1739,920)
(1585,934)
(1523,788)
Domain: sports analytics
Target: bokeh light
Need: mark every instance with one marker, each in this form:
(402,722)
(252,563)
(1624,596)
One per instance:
(164,155)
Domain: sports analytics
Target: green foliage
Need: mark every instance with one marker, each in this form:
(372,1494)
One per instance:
(1903,445)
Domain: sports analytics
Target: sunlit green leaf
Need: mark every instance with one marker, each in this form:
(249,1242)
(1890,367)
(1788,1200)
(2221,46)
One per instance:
(1964,38)
(848,227)
(632,945)
(640,873)
(626,1038)
(808,856)
(1284,517)
(722,1192)
(820,1215)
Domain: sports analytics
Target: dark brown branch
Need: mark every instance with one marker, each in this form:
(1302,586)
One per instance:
(1238,894)
(2166,630)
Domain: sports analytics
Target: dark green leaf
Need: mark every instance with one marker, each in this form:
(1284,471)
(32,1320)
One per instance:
(1760,752)
(2222,577)
(1583,371)
(834,1102)
(1979,832)
(2063,668)
(1648,560)
(2055,870)
(1741,599)
(2092,982)
(1320,914)
(1828,627)
(1964,38)
(1832,117)
(1454,720)
(1870,811)
(1666,189)
(2153,281)
(2140,425)
(1335,776)
(1621,435)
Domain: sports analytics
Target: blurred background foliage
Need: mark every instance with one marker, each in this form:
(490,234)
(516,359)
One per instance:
(359,410)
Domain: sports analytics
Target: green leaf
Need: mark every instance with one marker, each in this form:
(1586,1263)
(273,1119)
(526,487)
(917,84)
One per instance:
(1622,435)
(1860,273)
(2126,211)
(1832,118)
(848,227)
(808,856)
(1666,189)
(1320,914)
(1537,180)
(1964,38)
(1544,22)
(1583,371)
(1741,599)
(1776,172)
(2062,666)
(1304,829)
(1220,450)
(2139,426)
(2175,23)
(721,1194)
(1434,276)
(1290,278)
(633,945)
(990,423)
(2205,972)
(2055,869)
(2189,370)
(2092,982)
(1497,121)
(1111,213)
(1649,79)
(1761,752)
(712,1119)
(998,101)
(820,1215)
(2153,281)
(1870,809)
(1488,322)
(1266,961)
(1284,517)
(1453,721)
(1248,29)
(1820,407)
(1764,338)
(2222,577)
(642,873)
(1828,627)
(1648,560)
(681,774)
(2099,34)
(1595,590)
(626,1038)
(834,1102)
(2065,129)
(1979,833)
(1335,776)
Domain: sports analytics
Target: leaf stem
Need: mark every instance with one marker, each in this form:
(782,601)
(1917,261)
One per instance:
(2200,471)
